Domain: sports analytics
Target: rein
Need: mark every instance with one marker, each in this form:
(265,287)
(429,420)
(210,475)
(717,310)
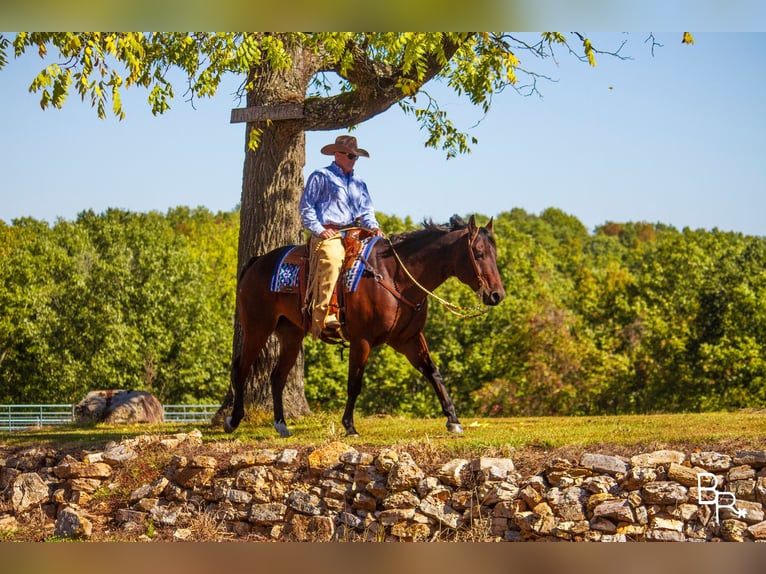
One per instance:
(456,310)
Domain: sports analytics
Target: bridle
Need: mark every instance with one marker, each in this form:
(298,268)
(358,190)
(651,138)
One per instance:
(451,307)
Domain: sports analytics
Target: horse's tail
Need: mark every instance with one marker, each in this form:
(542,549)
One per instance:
(247,266)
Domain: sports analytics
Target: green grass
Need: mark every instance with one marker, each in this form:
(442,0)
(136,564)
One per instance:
(743,430)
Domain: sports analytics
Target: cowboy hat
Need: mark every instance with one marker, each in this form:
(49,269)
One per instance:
(344,144)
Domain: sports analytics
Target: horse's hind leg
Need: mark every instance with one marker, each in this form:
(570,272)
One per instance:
(290,339)
(416,350)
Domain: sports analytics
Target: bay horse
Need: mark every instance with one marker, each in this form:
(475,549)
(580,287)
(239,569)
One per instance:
(389,306)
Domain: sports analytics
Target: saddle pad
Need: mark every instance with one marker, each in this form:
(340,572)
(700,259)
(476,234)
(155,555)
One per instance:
(286,275)
(354,271)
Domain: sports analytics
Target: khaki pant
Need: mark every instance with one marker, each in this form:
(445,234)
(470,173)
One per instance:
(326,259)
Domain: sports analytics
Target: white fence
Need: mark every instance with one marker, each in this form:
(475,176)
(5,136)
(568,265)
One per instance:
(19,417)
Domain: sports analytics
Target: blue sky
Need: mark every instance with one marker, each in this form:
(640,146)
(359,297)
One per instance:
(675,138)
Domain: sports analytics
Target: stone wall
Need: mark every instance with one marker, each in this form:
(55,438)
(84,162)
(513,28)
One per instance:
(337,493)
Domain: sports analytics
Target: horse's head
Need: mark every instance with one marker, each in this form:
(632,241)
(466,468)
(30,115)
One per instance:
(479,270)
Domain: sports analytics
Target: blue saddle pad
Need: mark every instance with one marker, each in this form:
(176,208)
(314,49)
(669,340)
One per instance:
(286,275)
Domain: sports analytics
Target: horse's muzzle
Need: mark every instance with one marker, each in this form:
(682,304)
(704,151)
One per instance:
(492,297)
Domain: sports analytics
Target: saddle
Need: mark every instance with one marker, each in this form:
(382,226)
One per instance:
(292,275)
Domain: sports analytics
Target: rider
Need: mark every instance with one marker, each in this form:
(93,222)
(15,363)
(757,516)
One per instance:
(334,198)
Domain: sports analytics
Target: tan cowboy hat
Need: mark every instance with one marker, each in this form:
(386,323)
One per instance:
(344,144)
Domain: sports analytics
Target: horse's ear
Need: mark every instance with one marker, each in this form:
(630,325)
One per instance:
(489,225)
(471,223)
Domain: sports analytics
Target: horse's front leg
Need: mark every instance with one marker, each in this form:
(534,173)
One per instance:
(357,359)
(290,338)
(416,351)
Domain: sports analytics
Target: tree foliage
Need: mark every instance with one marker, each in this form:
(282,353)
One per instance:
(117,300)
(354,76)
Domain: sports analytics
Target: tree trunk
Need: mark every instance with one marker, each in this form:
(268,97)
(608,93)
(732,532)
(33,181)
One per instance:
(271,187)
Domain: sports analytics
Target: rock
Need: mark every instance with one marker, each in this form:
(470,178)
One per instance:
(711,461)
(618,510)
(604,463)
(312,528)
(663,523)
(119,407)
(733,530)
(70,524)
(28,490)
(659,457)
(638,476)
(403,499)
(665,536)
(600,483)
(118,454)
(288,459)
(304,502)
(194,477)
(683,474)
(758,531)
(83,470)
(439,511)
(754,458)
(267,514)
(664,492)
(490,469)
(563,473)
(328,457)
(452,471)
(356,458)
(152,490)
(745,510)
(404,474)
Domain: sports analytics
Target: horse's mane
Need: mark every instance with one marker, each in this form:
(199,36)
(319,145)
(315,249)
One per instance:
(429,230)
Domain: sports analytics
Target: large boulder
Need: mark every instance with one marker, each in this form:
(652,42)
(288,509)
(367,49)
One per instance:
(119,407)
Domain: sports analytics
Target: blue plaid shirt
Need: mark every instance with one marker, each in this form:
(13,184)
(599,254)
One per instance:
(333,197)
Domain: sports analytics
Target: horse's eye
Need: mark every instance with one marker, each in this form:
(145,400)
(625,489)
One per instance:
(479,254)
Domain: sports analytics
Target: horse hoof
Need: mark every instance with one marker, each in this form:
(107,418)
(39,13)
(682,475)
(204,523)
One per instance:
(352,433)
(282,430)
(455,428)
(227,426)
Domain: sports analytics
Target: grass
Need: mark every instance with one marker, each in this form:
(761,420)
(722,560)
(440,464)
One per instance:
(746,430)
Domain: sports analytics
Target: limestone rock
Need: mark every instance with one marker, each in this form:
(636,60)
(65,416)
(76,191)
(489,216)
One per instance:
(83,470)
(70,524)
(754,458)
(119,407)
(442,512)
(664,492)
(604,463)
(452,471)
(758,531)
(404,474)
(659,457)
(327,457)
(711,461)
(28,490)
(489,469)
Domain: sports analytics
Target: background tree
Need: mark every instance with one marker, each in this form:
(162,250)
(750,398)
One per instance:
(294,82)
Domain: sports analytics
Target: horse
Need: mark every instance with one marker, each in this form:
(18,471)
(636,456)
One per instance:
(389,306)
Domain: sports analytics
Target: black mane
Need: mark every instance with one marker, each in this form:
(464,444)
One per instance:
(429,230)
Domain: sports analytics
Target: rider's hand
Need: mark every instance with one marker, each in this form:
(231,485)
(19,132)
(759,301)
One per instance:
(328,233)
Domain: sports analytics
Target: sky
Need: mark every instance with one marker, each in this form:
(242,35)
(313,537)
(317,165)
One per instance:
(674,137)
